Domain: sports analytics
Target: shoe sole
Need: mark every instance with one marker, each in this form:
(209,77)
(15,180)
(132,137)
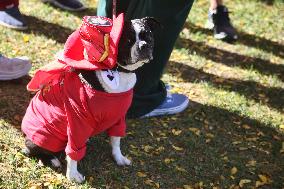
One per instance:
(169,111)
(62,6)
(17,74)
(13,27)
(225,37)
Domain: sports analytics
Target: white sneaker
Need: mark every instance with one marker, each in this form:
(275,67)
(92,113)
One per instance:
(13,68)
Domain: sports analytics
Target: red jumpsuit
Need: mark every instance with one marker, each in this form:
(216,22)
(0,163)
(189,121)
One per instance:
(65,115)
(6,3)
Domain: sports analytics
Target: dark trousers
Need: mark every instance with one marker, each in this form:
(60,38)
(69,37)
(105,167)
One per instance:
(149,91)
(5,3)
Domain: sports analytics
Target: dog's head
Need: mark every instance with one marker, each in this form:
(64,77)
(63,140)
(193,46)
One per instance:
(136,43)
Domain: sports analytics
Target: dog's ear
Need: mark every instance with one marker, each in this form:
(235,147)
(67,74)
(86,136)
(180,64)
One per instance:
(152,23)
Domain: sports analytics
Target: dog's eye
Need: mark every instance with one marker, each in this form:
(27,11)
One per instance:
(144,34)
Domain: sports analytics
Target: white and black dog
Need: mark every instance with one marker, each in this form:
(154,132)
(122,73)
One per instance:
(135,48)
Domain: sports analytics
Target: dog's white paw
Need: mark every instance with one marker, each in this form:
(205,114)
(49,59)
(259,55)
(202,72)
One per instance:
(75,176)
(55,163)
(122,160)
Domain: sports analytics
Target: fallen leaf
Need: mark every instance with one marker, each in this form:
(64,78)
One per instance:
(148,182)
(251,163)
(147,148)
(26,38)
(180,169)
(176,132)
(209,135)
(234,170)
(141,174)
(259,183)
(264,179)
(150,132)
(177,148)
(187,187)
(194,130)
(243,182)
(245,126)
(167,160)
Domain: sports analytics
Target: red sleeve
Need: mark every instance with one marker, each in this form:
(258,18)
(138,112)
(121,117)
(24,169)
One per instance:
(78,131)
(118,129)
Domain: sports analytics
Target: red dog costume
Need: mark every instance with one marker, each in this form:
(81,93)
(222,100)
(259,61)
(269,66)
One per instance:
(65,113)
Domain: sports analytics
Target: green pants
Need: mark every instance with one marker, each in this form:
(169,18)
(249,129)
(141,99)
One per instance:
(149,91)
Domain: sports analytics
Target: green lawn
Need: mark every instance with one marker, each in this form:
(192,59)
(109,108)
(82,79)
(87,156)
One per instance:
(231,136)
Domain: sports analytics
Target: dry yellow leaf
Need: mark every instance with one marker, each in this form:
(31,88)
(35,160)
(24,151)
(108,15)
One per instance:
(176,132)
(141,174)
(26,38)
(177,148)
(180,169)
(209,135)
(194,130)
(251,163)
(264,179)
(147,148)
(245,126)
(281,127)
(148,182)
(234,170)
(226,158)
(167,160)
(187,187)
(244,181)
(151,133)
(259,183)
(157,185)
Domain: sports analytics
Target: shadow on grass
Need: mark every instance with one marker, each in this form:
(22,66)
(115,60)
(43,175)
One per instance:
(234,59)
(246,39)
(14,99)
(272,96)
(50,30)
(230,145)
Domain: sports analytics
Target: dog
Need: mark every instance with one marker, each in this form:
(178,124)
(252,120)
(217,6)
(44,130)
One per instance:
(135,49)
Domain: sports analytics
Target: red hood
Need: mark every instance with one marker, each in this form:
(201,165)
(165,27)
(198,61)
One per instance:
(94,46)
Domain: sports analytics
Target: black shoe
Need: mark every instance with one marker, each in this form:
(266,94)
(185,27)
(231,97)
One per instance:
(70,5)
(222,26)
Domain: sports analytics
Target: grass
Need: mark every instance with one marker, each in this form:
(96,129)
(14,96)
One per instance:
(231,136)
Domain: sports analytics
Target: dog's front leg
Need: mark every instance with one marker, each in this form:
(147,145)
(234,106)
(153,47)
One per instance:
(116,152)
(72,172)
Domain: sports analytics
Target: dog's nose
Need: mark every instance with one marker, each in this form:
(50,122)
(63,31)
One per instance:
(142,44)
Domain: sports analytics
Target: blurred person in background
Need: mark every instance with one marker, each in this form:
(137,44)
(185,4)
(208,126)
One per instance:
(11,17)
(219,21)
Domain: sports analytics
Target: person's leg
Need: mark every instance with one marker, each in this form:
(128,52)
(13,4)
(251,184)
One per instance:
(69,5)
(13,68)
(214,4)
(219,21)
(10,15)
(150,91)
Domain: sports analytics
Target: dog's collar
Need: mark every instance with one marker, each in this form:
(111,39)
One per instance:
(121,68)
